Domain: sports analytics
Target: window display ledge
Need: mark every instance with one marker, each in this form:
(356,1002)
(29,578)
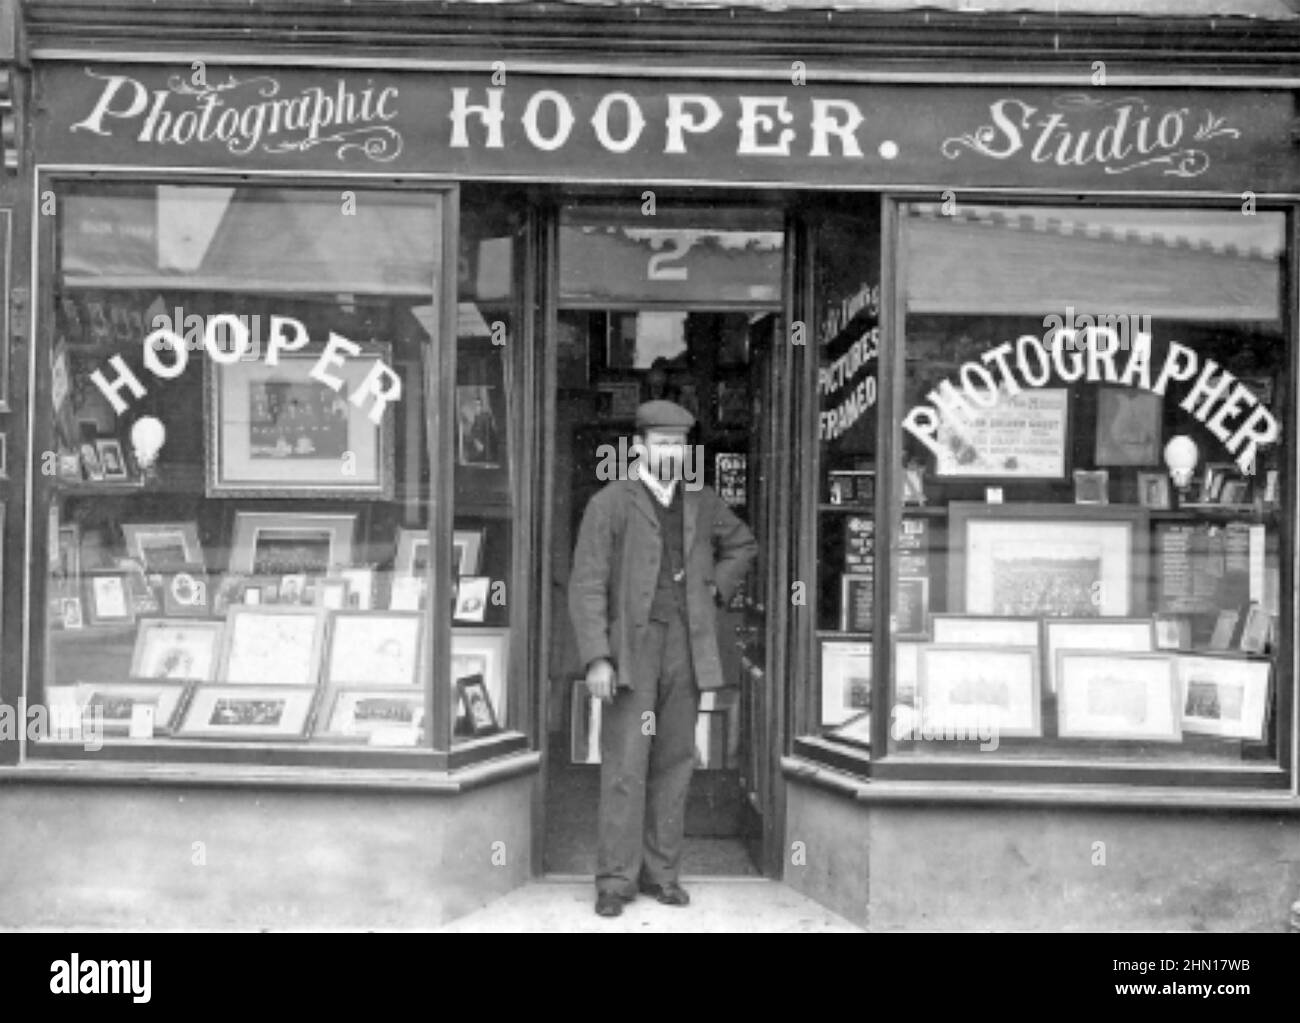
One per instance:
(1029,794)
(82,772)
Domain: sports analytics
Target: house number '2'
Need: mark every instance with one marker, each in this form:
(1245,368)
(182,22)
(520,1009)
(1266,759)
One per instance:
(674,247)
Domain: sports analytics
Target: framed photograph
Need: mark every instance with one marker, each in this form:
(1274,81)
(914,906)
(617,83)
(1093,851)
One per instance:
(163,546)
(368,713)
(983,630)
(272,645)
(472,598)
(1172,631)
(407,593)
(331,593)
(166,649)
(361,587)
(240,712)
(293,589)
(1091,486)
(1225,629)
(477,702)
(413,551)
(1153,489)
(186,593)
(229,590)
(114,704)
(108,598)
(845,679)
(90,463)
(1225,696)
(1103,695)
(617,399)
(1049,560)
(969,690)
(986,447)
(480,438)
(483,652)
(1129,426)
(282,543)
(275,431)
(112,458)
(1116,634)
(70,613)
(857,593)
(374,649)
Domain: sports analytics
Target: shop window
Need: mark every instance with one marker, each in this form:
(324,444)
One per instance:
(237,479)
(1088,543)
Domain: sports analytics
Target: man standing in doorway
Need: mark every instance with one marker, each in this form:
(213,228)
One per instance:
(657,552)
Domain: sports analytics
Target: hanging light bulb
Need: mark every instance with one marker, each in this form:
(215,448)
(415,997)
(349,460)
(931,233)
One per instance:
(1180,456)
(147,436)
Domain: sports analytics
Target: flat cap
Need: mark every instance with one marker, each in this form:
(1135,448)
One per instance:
(663,415)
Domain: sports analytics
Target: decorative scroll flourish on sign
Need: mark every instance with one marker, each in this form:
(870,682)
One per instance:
(316,115)
(1118,135)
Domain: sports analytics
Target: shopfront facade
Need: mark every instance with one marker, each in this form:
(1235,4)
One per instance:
(315,354)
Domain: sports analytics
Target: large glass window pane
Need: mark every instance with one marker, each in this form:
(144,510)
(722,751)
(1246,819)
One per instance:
(488,348)
(1089,485)
(237,484)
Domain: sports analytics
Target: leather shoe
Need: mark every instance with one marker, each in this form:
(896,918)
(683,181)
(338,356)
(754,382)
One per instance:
(610,903)
(670,894)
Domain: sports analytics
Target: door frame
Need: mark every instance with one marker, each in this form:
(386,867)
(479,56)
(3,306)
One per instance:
(542,284)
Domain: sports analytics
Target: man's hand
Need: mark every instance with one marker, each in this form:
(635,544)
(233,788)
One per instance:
(600,679)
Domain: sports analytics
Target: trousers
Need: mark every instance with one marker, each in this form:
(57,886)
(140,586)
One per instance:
(647,752)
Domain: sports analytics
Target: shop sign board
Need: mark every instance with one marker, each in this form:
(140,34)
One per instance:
(644,131)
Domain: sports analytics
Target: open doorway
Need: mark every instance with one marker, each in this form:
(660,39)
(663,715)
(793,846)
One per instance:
(683,310)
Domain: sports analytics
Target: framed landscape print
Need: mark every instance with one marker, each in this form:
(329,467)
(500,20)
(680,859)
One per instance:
(1131,634)
(160,546)
(166,649)
(1225,696)
(364,712)
(278,431)
(1103,695)
(272,645)
(247,712)
(969,690)
(283,543)
(114,703)
(374,649)
(1048,560)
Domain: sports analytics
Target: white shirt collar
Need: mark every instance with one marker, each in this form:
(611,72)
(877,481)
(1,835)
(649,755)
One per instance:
(660,490)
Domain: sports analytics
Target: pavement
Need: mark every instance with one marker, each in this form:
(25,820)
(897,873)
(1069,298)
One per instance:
(718,905)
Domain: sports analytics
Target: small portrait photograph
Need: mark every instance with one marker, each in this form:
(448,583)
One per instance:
(111,459)
(90,463)
(478,706)
(293,588)
(478,437)
(71,610)
(1091,487)
(1153,489)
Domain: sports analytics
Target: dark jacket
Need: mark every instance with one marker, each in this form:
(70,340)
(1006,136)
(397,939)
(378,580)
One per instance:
(616,565)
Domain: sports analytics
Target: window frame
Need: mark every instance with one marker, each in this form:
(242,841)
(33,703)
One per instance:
(438,753)
(883,765)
